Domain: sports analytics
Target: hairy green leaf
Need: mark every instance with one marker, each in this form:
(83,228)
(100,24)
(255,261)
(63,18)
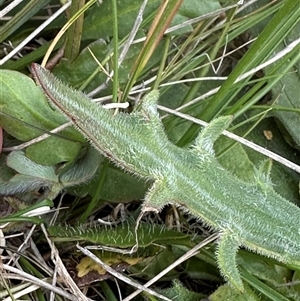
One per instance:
(122,236)
(252,215)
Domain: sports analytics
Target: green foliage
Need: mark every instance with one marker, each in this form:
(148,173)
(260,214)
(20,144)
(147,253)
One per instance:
(188,184)
(21,17)
(26,115)
(123,236)
(99,20)
(265,110)
(205,141)
(32,176)
(226,292)
(226,256)
(179,292)
(27,214)
(75,73)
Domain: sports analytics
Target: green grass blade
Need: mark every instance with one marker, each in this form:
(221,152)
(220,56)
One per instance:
(274,33)
(21,17)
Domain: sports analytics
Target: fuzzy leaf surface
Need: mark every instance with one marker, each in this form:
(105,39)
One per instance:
(252,215)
